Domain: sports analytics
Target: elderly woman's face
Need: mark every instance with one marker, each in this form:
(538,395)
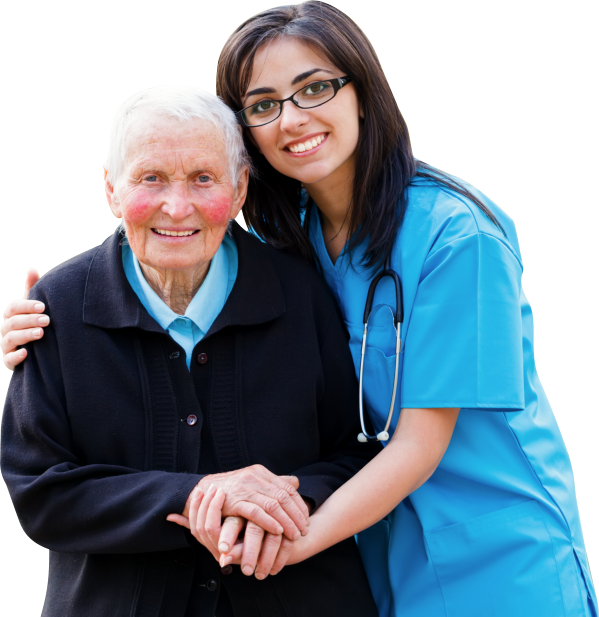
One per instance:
(175,194)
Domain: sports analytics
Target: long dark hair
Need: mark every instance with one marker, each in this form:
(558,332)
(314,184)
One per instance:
(385,164)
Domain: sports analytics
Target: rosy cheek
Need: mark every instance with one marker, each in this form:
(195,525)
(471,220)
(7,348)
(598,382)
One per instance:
(216,209)
(138,210)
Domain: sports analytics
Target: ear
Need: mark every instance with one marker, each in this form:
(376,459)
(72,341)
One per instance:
(112,199)
(240,193)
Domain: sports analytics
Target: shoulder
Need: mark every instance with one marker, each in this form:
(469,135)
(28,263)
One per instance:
(294,271)
(303,287)
(65,282)
(443,216)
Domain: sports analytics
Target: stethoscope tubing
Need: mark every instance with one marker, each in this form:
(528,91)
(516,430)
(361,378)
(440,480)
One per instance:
(397,323)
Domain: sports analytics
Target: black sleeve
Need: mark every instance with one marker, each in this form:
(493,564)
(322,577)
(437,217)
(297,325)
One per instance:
(341,454)
(63,503)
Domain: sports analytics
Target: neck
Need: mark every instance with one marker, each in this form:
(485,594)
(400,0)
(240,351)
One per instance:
(333,195)
(176,288)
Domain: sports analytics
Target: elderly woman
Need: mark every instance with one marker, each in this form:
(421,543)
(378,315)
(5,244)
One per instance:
(183,358)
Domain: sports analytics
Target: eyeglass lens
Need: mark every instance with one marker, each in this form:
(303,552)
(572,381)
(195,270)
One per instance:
(311,96)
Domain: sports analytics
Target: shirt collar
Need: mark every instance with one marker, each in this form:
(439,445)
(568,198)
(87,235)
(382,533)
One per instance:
(207,302)
(256,297)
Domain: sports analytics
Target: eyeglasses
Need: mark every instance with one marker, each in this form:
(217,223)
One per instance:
(312,95)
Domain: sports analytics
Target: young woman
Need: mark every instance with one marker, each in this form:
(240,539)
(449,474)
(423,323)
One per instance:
(474,491)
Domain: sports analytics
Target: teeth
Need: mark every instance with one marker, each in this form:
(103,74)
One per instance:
(307,145)
(166,232)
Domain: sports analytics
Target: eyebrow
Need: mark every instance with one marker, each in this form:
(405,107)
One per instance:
(296,80)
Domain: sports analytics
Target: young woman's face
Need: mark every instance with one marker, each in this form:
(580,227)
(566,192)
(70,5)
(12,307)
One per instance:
(280,69)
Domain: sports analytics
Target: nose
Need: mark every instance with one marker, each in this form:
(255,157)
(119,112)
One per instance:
(178,203)
(292,117)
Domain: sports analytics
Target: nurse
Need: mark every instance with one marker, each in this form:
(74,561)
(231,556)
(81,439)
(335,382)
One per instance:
(470,509)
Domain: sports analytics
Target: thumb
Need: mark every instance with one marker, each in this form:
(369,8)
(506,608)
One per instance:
(30,280)
(180,520)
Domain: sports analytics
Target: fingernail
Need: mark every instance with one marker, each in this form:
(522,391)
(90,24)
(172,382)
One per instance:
(43,321)
(228,560)
(305,531)
(37,332)
(297,536)
(247,570)
(279,530)
(39,307)
(223,547)
(211,488)
(260,576)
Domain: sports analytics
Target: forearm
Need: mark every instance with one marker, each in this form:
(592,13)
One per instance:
(121,513)
(404,465)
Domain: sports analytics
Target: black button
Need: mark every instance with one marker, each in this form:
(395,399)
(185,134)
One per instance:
(191,420)
(174,355)
(226,570)
(211,585)
(202,358)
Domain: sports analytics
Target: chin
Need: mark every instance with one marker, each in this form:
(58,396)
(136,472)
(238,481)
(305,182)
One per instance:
(310,176)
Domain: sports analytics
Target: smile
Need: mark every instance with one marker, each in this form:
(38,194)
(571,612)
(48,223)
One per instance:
(168,232)
(309,144)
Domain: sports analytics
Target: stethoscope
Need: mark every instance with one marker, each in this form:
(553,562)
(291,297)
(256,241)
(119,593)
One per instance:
(397,321)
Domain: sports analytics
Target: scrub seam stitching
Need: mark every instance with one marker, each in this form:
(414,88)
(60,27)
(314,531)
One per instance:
(436,575)
(475,233)
(537,476)
(459,198)
(542,517)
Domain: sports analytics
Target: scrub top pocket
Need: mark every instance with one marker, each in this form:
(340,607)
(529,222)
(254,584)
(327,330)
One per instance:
(502,562)
(379,366)
(379,372)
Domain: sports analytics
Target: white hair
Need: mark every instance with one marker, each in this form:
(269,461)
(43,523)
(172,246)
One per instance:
(181,103)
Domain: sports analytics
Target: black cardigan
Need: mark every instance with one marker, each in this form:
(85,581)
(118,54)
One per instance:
(97,450)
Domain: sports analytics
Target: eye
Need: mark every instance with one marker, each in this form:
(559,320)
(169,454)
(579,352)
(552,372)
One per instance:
(151,178)
(317,88)
(263,107)
(204,178)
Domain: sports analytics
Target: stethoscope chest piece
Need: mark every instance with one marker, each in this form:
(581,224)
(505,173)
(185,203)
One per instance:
(364,437)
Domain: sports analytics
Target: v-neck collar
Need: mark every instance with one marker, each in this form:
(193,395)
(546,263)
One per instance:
(320,245)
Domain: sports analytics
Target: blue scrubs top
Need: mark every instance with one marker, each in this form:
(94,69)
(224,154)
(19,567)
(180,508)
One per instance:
(495,531)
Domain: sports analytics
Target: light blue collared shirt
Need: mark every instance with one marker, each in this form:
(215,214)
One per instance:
(187,330)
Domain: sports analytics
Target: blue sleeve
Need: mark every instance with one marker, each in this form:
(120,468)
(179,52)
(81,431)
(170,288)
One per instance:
(463,344)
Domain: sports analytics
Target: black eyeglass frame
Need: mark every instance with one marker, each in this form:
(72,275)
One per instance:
(337,83)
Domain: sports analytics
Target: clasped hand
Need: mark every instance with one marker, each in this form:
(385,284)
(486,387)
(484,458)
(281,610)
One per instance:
(249,517)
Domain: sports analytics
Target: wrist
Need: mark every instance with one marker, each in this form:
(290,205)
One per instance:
(194,491)
(302,549)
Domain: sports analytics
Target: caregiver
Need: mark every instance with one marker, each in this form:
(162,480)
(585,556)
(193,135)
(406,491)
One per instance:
(476,479)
